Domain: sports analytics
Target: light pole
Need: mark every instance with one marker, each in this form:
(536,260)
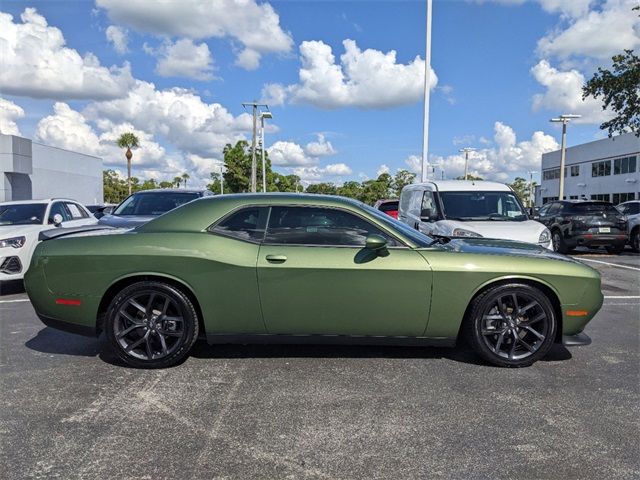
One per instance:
(263,115)
(427,81)
(254,110)
(466,151)
(564,119)
(531,188)
(221,180)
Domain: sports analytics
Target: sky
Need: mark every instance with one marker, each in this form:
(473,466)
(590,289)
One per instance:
(343,79)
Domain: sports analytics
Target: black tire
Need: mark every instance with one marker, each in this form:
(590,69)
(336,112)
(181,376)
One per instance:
(151,325)
(615,249)
(558,242)
(635,239)
(488,331)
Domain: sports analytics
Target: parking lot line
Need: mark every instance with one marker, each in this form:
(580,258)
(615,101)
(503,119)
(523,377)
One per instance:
(622,296)
(612,264)
(15,300)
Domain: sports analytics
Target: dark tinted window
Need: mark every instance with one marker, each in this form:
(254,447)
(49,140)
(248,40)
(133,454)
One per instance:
(22,214)
(246,224)
(591,207)
(154,204)
(59,208)
(319,226)
(388,206)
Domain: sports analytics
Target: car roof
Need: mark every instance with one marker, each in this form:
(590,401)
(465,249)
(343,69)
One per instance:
(171,190)
(463,185)
(39,201)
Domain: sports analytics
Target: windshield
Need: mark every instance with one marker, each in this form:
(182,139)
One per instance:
(22,214)
(153,204)
(590,208)
(419,238)
(474,205)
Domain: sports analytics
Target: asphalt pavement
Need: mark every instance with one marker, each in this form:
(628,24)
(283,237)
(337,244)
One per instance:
(69,410)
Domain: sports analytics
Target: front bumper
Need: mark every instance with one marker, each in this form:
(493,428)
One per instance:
(577,340)
(11,267)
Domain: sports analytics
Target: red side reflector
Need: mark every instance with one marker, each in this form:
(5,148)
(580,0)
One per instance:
(68,301)
(577,313)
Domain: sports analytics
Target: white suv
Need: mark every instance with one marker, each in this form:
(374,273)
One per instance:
(469,208)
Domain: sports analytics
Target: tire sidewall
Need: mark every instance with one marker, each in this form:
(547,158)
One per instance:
(483,301)
(186,309)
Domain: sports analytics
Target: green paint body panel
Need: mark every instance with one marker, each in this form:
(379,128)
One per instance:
(408,291)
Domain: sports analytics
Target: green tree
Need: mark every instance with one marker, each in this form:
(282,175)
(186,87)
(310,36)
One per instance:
(128,140)
(401,179)
(214,186)
(115,188)
(284,183)
(237,161)
(165,184)
(469,177)
(185,176)
(324,188)
(148,184)
(351,189)
(378,189)
(177,181)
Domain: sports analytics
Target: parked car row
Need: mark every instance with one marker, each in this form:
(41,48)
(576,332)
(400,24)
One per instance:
(493,210)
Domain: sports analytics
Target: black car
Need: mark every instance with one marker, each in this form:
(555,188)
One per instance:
(584,223)
(140,207)
(100,211)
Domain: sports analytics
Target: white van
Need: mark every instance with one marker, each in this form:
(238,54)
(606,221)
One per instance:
(469,208)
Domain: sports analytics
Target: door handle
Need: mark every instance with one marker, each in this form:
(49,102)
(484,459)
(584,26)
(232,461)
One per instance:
(276,258)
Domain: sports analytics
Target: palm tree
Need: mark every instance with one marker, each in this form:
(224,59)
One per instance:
(185,177)
(128,140)
(177,181)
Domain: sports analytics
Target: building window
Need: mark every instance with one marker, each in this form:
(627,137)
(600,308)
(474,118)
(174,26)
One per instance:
(573,197)
(623,197)
(553,173)
(548,199)
(605,197)
(601,169)
(575,170)
(624,165)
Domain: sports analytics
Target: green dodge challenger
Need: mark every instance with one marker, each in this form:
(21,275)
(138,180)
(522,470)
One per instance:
(263,268)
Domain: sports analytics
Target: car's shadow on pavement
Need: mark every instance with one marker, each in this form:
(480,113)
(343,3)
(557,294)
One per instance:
(11,287)
(49,340)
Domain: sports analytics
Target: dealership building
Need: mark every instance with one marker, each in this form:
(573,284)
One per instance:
(606,169)
(30,170)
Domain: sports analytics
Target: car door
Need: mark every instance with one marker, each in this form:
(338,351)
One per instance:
(316,277)
(79,215)
(59,208)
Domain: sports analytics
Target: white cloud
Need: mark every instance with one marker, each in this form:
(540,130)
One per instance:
(364,79)
(317,174)
(254,25)
(185,59)
(563,94)
(117,36)
(592,33)
(382,169)
(179,116)
(288,154)
(36,63)
(9,113)
(273,94)
(507,158)
(321,148)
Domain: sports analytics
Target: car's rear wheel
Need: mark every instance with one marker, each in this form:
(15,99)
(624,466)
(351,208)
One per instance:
(151,325)
(558,242)
(635,239)
(511,325)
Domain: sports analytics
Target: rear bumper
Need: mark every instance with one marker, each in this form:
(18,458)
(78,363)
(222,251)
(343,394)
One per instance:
(597,240)
(577,340)
(84,330)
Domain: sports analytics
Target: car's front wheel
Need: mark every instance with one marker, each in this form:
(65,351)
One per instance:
(511,325)
(558,242)
(635,239)
(151,325)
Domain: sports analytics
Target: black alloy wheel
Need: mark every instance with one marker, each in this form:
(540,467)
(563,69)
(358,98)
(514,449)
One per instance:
(151,325)
(558,243)
(511,325)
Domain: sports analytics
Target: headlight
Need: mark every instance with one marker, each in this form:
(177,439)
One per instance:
(461,232)
(545,237)
(15,242)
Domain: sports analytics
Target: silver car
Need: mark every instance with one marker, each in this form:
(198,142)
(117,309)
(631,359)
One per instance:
(632,210)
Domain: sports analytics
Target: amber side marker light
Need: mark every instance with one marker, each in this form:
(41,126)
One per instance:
(68,301)
(577,313)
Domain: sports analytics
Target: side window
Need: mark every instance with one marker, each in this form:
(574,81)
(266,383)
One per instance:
(76,211)
(319,226)
(554,209)
(415,202)
(59,208)
(428,202)
(246,224)
(544,210)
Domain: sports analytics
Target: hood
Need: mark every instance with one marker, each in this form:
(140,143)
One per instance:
(491,246)
(527,231)
(128,221)
(10,231)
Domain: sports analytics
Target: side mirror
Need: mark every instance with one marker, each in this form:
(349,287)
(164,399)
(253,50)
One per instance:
(427,215)
(375,242)
(57,220)
(107,210)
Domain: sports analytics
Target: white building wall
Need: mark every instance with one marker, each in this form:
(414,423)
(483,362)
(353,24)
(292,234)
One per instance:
(585,185)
